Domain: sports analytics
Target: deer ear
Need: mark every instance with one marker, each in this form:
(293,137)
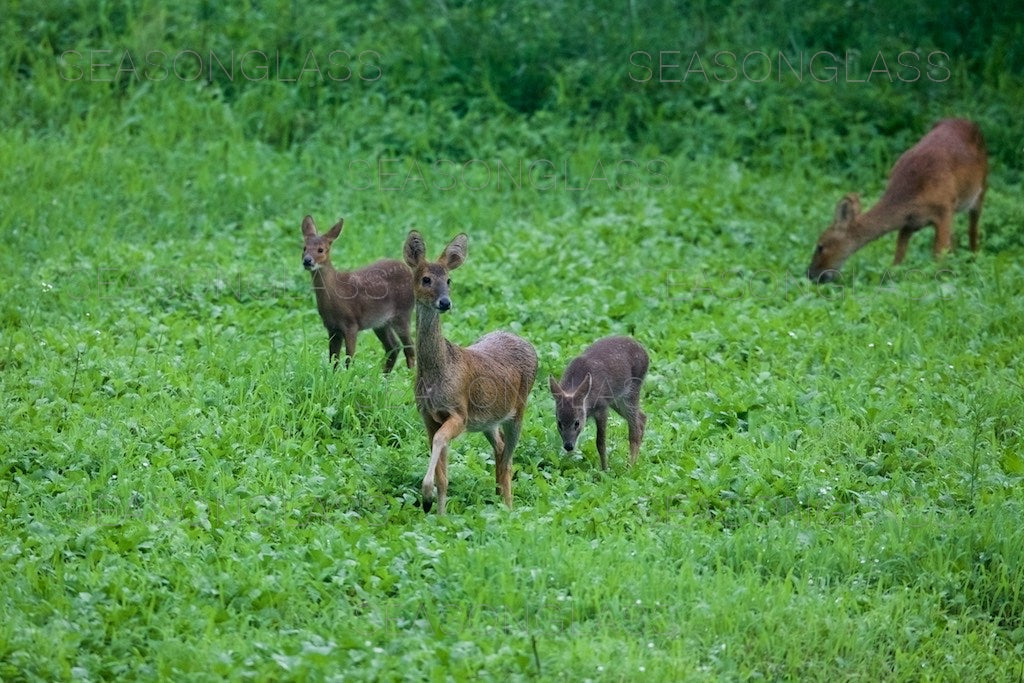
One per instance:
(415,251)
(308,227)
(584,388)
(556,390)
(455,253)
(333,233)
(847,209)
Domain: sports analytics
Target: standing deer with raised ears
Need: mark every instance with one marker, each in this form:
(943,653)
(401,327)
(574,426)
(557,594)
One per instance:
(944,173)
(608,374)
(480,388)
(377,297)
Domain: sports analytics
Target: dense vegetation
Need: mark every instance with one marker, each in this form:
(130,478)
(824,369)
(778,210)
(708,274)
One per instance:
(831,483)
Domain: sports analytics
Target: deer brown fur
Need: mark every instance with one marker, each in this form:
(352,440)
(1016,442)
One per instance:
(944,173)
(608,374)
(377,297)
(480,388)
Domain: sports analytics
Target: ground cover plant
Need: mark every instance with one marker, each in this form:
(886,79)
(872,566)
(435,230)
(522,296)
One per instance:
(830,482)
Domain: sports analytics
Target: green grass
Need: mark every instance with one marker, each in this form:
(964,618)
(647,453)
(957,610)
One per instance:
(831,482)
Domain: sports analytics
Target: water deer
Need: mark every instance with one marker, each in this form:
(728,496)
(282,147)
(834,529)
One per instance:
(377,297)
(608,374)
(479,388)
(944,173)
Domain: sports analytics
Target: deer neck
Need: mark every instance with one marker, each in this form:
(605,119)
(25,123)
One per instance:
(432,349)
(325,281)
(880,219)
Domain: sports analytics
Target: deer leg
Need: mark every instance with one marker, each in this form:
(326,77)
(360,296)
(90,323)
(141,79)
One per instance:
(437,470)
(390,341)
(498,444)
(441,477)
(901,245)
(973,216)
(503,466)
(943,234)
(350,344)
(334,339)
(601,418)
(637,421)
(401,328)
(428,480)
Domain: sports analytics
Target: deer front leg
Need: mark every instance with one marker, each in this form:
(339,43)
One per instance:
(943,234)
(437,470)
(601,419)
(350,344)
(334,339)
(901,245)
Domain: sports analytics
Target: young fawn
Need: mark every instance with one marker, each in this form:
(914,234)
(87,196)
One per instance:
(377,297)
(944,173)
(480,388)
(608,374)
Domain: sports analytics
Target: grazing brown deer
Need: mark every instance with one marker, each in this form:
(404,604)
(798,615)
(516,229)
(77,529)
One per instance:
(608,374)
(944,173)
(377,297)
(480,388)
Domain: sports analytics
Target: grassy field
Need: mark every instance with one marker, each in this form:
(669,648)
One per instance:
(831,482)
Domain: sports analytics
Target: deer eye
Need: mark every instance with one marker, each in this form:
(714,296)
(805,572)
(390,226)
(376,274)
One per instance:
(449,282)
(576,424)
(320,250)
(821,248)
(426,280)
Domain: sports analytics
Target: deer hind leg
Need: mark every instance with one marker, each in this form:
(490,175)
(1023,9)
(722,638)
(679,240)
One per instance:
(441,478)
(391,346)
(497,442)
(401,328)
(503,464)
(428,479)
(437,469)
(902,240)
(637,421)
(973,216)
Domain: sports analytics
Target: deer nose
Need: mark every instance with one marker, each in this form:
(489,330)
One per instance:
(444,303)
(823,276)
(568,445)
(307,261)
